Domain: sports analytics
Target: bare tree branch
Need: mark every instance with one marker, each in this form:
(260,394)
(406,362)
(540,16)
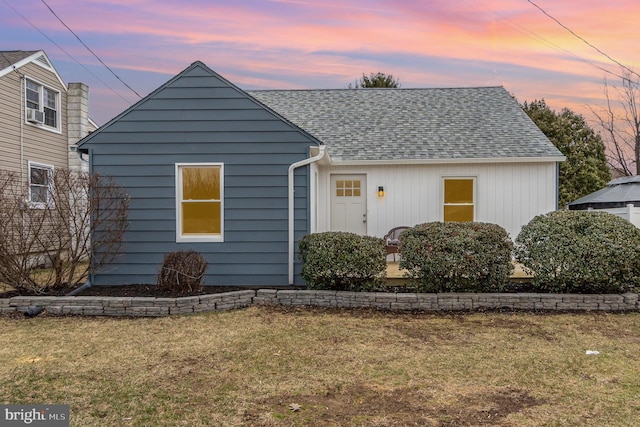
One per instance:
(620,122)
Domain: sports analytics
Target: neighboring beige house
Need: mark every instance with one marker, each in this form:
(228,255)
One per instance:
(41,119)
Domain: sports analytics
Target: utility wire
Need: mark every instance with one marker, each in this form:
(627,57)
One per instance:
(63,50)
(549,43)
(582,39)
(89,49)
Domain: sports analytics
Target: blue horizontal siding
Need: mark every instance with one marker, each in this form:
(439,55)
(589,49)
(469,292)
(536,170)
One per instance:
(200,126)
(274,160)
(189,115)
(198,104)
(130,140)
(243,180)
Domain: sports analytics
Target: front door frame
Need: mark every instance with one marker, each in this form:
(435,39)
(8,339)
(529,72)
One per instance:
(359,224)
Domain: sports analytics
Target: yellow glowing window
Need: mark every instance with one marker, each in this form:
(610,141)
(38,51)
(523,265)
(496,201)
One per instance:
(458,200)
(200,211)
(348,188)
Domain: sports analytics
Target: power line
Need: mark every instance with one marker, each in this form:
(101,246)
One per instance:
(582,39)
(89,49)
(63,50)
(555,46)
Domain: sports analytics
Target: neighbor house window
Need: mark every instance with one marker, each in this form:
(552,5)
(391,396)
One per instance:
(40,177)
(459,205)
(43,104)
(199,202)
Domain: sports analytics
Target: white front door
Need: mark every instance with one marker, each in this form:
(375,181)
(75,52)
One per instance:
(349,203)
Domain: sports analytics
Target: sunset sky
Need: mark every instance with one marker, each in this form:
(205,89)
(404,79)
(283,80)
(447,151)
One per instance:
(308,44)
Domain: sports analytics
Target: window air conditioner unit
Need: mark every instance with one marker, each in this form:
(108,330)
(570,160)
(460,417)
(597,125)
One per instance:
(35,116)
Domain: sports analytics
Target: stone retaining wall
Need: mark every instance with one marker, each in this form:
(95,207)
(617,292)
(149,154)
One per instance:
(137,306)
(130,306)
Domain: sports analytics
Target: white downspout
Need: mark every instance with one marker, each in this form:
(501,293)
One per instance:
(292,168)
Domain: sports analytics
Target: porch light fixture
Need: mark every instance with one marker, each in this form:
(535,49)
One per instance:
(380,191)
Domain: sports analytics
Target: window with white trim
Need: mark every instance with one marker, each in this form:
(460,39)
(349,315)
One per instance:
(40,180)
(43,104)
(199,202)
(459,197)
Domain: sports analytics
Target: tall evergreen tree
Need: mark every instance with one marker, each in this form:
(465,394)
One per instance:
(585,169)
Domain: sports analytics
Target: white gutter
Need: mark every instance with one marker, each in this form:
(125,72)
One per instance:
(337,162)
(292,168)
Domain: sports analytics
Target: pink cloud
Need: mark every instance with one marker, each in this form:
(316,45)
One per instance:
(289,43)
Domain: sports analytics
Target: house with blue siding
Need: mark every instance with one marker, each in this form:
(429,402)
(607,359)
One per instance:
(207,167)
(241,176)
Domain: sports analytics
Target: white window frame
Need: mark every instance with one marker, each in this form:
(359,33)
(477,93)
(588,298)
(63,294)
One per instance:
(41,104)
(49,169)
(196,238)
(475,197)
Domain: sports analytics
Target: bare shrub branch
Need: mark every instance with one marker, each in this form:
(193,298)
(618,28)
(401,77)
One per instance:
(182,271)
(61,242)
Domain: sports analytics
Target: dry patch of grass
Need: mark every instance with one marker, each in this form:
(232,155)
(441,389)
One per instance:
(44,276)
(301,367)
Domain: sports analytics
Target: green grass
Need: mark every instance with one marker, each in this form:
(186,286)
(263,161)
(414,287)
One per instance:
(353,368)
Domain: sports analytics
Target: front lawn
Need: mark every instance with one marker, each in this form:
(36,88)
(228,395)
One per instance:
(306,367)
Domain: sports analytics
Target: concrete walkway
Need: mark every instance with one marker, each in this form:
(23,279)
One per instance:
(396,275)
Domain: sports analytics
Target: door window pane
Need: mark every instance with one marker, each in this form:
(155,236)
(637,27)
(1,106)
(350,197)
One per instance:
(349,188)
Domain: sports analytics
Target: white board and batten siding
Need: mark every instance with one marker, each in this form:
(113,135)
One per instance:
(507,194)
(630,212)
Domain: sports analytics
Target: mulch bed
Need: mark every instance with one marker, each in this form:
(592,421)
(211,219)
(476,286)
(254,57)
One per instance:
(133,291)
(155,291)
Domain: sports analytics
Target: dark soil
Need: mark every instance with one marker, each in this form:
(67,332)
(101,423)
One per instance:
(409,406)
(155,291)
(134,291)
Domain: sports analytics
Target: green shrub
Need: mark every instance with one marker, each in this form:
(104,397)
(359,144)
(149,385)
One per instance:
(581,252)
(182,271)
(455,257)
(342,261)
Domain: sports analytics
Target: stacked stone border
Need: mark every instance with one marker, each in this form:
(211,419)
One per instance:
(149,306)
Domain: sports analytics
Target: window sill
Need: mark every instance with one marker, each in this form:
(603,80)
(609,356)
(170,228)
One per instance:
(45,127)
(200,239)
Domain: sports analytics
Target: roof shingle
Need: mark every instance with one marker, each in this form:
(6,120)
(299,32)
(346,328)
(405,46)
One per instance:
(413,124)
(10,57)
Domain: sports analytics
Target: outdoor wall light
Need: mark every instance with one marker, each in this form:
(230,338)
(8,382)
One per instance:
(380,191)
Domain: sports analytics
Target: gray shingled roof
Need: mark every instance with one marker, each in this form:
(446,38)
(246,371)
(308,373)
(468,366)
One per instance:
(413,124)
(9,57)
(617,194)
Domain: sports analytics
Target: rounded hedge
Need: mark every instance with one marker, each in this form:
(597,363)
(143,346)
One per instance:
(456,256)
(580,252)
(342,261)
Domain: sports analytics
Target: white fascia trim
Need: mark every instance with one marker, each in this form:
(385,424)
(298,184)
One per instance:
(551,159)
(32,59)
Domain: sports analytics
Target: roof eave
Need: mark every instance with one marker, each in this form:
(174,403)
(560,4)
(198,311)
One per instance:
(32,59)
(548,159)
